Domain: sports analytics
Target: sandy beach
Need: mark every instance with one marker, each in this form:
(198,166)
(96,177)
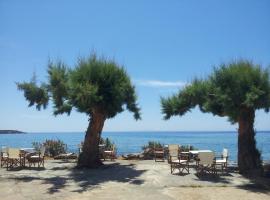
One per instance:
(124,180)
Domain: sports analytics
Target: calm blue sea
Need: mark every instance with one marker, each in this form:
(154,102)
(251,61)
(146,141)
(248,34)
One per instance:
(131,142)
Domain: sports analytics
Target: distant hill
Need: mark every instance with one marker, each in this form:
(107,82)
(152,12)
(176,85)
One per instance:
(11,132)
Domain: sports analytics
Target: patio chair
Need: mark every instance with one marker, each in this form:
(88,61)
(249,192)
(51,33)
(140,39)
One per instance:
(14,158)
(176,159)
(222,160)
(173,152)
(159,153)
(37,158)
(206,162)
(4,156)
(109,154)
(181,163)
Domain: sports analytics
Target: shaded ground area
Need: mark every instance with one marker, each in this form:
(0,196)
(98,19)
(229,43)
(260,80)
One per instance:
(125,180)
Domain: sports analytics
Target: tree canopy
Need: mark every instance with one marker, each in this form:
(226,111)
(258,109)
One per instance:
(230,87)
(94,83)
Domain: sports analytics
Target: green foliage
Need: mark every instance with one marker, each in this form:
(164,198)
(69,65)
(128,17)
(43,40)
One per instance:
(148,149)
(37,146)
(53,147)
(109,144)
(152,145)
(187,148)
(229,89)
(59,87)
(93,85)
(35,95)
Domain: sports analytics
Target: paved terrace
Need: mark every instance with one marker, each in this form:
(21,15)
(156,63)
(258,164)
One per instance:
(124,180)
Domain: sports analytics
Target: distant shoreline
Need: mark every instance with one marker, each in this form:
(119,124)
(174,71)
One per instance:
(199,132)
(11,132)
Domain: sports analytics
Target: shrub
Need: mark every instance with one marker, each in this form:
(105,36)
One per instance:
(187,148)
(53,147)
(37,146)
(107,142)
(148,150)
(152,145)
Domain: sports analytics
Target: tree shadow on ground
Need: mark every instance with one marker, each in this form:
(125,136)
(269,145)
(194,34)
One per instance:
(214,178)
(15,169)
(87,179)
(61,161)
(257,185)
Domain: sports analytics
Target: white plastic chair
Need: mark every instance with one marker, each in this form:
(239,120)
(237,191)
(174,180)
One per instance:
(223,160)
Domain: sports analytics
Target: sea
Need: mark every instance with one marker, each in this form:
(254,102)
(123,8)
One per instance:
(132,142)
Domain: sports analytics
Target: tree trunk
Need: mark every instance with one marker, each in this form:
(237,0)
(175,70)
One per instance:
(249,158)
(90,153)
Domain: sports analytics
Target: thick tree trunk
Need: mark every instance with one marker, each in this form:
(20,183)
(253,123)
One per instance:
(249,158)
(90,153)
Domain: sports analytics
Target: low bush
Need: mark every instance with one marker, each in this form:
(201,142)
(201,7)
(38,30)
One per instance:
(148,150)
(107,142)
(187,148)
(152,145)
(53,147)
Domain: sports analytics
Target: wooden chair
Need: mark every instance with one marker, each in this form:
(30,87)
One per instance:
(109,154)
(14,158)
(4,156)
(222,160)
(177,160)
(173,152)
(159,153)
(37,158)
(206,162)
(181,163)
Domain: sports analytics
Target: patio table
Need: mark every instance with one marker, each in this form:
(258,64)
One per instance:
(24,152)
(196,152)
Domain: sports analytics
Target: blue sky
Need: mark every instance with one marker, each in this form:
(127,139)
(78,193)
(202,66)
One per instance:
(162,44)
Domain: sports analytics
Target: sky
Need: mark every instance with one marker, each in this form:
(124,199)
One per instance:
(163,45)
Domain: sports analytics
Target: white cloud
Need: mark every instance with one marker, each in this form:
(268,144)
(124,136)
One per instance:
(158,83)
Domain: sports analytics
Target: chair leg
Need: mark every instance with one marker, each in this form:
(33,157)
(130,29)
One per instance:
(7,164)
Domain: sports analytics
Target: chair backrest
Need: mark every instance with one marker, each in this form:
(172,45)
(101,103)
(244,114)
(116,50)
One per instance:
(225,153)
(206,158)
(113,148)
(13,153)
(4,151)
(173,150)
(42,151)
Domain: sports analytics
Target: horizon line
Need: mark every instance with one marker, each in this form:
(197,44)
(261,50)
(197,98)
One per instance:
(147,131)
